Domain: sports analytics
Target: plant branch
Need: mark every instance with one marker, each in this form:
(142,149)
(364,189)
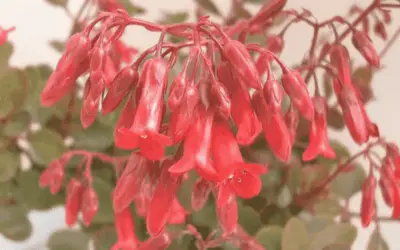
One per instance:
(390,43)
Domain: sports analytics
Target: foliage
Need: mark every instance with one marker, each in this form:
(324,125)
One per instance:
(296,190)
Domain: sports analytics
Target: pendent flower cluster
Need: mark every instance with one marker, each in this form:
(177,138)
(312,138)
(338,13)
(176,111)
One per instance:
(221,100)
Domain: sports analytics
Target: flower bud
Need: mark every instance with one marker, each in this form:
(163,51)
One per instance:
(364,45)
(90,205)
(242,63)
(368,200)
(73,201)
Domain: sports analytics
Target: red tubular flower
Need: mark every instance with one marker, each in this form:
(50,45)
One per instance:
(297,91)
(368,200)
(273,94)
(125,119)
(162,200)
(142,200)
(241,61)
(340,60)
(275,130)
(292,121)
(353,114)
(240,177)
(390,187)
(159,242)
(201,190)
(78,46)
(241,111)
(182,117)
(177,214)
(197,147)
(61,82)
(110,70)
(125,228)
(228,214)
(89,206)
(53,175)
(73,201)
(130,181)
(319,143)
(364,45)
(178,91)
(122,84)
(144,132)
(221,99)
(4,34)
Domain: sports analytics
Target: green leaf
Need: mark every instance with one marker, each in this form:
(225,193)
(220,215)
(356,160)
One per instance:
(316,224)
(104,238)
(7,190)
(184,193)
(328,89)
(346,184)
(174,17)
(209,6)
(329,208)
(131,8)
(249,219)
(377,242)
(10,162)
(295,235)
(335,119)
(14,223)
(19,122)
(31,195)
(207,216)
(11,92)
(47,146)
(334,234)
(37,76)
(270,237)
(103,190)
(97,137)
(68,239)
(59,46)
(60,3)
(6,51)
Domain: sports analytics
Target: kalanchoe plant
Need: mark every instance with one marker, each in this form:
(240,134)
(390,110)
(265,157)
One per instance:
(204,140)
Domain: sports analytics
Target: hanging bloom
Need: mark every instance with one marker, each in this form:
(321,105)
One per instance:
(162,201)
(353,114)
(297,91)
(273,94)
(144,132)
(276,132)
(227,214)
(73,201)
(197,145)
(119,88)
(183,115)
(364,45)
(53,175)
(368,200)
(89,206)
(292,121)
(125,228)
(130,181)
(242,113)
(340,61)
(236,175)
(319,143)
(242,63)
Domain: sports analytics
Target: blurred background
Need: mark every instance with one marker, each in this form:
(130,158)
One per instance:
(38,22)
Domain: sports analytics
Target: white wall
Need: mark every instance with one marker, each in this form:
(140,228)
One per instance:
(38,22)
